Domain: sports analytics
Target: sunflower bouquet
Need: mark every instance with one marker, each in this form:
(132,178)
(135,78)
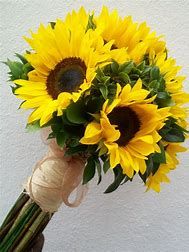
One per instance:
(106,96)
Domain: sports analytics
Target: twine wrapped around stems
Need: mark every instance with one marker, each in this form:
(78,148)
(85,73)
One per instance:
(55,177)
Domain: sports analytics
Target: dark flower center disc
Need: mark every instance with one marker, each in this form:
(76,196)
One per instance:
(127,121)
(67,76)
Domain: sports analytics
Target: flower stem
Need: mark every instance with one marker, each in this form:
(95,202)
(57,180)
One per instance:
(20,202)
(22,224)
(35,228)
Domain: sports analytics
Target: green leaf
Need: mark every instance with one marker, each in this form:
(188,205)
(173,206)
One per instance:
(23,60)
(89,171)
(154,73)
(178,127)
(24,76)
(126,67)
(160,157)
(172,132)
(105,80)
(126,180)
(134,76)
(104,91)
(73,142)
(52,24)
(136,71)
(114,67)
(94,104)
(124,77)
(99,73)
(141,66)
(27,68)
(155,168)
(61,138)
(33,127)
(13,88)
(51,135)
(106,165)
(91,24)
(119,176)
(99,170)
(174,136)
(56,127)
(76,150)
(149,169)
(65,120)
(163,95)
(154,85)
(161,84)
(15,68)
(149,165)
(146,71)
(75,113)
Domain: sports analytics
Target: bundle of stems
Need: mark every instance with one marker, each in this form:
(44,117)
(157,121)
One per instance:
(23,224)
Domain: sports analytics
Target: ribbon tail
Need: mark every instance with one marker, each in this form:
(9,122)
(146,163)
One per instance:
(81,192)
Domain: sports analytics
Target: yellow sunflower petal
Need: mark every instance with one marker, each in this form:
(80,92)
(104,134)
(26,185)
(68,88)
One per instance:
(142,166)
(109,133)
(92,134)
(36,102)
(142,147)
(113,153)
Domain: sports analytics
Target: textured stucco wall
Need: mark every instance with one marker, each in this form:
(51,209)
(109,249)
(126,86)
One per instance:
(129,219)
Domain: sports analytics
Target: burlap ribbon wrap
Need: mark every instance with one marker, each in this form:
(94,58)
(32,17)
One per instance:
(54,178)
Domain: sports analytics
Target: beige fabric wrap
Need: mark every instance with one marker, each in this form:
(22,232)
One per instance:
(54,178)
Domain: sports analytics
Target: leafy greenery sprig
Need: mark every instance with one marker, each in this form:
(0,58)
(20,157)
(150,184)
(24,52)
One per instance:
(18,70)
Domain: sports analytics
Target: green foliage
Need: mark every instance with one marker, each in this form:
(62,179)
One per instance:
(159,157)
(126,67)
(99,169)
(118,178)
(32,127)
(52,24)
(153,162)
(91,24)
(89,171)
(67,133)
(18,70)
(149,169)
(61,138)
(172,132)
(154,73)
(104,91)
(21,57)
(106,165)
(75,113)
(104,85)
(79,149)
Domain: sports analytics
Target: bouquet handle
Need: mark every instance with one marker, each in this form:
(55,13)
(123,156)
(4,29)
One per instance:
(23,224)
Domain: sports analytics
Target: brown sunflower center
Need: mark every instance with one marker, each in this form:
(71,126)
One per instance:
(127,121)
(67,76)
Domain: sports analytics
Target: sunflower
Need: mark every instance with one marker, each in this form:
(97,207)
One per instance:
(64,61)
(128,128)
(154,181)
(136,39)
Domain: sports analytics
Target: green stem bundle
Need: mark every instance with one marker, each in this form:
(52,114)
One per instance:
(22,225)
